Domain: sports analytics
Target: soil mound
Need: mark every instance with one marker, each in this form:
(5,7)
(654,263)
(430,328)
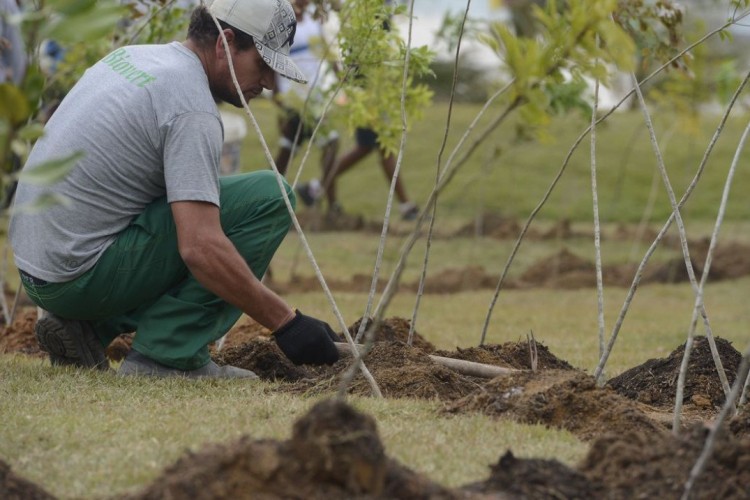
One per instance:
(334,452)
(394,329)
(19,336)
(655,381)
(262,356)
(408,372)
(564,399)
(535,478)
(492,226)
(244,331)
(400,371)
(739,425)
(562,270)
(637,465)
(13,487)
(456,280)
(510,354)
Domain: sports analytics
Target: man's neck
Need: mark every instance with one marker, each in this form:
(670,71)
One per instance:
(198,51)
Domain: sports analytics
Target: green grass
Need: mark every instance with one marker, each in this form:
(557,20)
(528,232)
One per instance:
(509,176)
(91,435)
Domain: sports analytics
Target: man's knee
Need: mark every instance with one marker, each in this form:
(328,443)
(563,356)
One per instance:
(262,186)
(268,183)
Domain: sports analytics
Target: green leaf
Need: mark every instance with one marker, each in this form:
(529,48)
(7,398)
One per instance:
(31,132)
(71,7)
(43,202)
(13,105)
(87,25)
(51,172)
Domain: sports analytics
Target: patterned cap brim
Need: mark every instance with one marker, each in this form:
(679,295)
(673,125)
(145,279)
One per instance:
(280,63)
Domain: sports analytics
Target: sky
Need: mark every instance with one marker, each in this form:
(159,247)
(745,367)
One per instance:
(428,15)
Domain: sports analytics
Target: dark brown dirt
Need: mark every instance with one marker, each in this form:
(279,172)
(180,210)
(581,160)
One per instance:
(335,452)
(655,381)
(394,330)
(537,479)
(13,487)
(639,465)
(739,425)
(563,399)
(262,356)
(19,336)
(511,355)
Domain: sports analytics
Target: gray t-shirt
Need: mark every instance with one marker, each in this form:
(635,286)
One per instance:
(149,127)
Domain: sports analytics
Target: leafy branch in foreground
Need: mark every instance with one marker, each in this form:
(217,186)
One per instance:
(373,55)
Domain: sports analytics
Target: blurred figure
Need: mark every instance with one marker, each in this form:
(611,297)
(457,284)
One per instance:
(294,129)
(12,51)
(12,71)
(367,142)
(235,130)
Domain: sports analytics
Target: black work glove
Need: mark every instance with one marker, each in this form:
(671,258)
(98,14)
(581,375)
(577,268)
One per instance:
(306,340)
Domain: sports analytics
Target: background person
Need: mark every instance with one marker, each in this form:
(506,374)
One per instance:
(294,130)
(152,240)
(12,50)
(366,143)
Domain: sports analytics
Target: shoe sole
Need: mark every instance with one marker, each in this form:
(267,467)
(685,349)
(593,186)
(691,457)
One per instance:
(80,347)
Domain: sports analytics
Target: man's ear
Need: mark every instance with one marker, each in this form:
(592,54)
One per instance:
(229,34)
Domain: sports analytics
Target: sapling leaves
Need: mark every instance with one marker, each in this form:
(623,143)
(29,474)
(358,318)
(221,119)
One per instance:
(51,172)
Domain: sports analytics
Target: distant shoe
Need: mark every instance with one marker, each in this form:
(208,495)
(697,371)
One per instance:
(70,342)
(309,192)
(409,211)
(136,364)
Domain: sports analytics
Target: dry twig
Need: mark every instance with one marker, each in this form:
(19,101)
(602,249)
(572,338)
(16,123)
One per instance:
(368,376)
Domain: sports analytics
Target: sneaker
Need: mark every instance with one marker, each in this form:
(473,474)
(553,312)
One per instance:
(70,342)
(305,194)
(409,211)
(136,364)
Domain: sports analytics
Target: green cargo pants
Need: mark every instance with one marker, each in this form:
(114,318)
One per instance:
(140,283)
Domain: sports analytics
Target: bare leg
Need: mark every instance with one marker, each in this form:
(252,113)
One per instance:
(282,159)
(388,162)
(328,157)
(345,163)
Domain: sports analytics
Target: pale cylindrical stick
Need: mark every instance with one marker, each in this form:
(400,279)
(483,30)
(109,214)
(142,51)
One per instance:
(462,366)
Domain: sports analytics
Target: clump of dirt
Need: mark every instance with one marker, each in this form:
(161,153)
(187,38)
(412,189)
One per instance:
(730,260)
(490,225)
(120,347)
(13,487)
(246,330)
(408,372)
(262,356)
(672,271)
(655,381)
(739,425)
(639,465)
(456,280)
(334,452)
(562,270)
(535,478)
(19,336)
(563,399)
(394,329)
(510,354)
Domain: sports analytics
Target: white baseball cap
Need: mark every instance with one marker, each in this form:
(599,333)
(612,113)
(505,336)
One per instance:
(272,25)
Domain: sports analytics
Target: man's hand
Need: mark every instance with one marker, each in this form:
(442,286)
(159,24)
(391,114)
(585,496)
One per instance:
(306,340)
